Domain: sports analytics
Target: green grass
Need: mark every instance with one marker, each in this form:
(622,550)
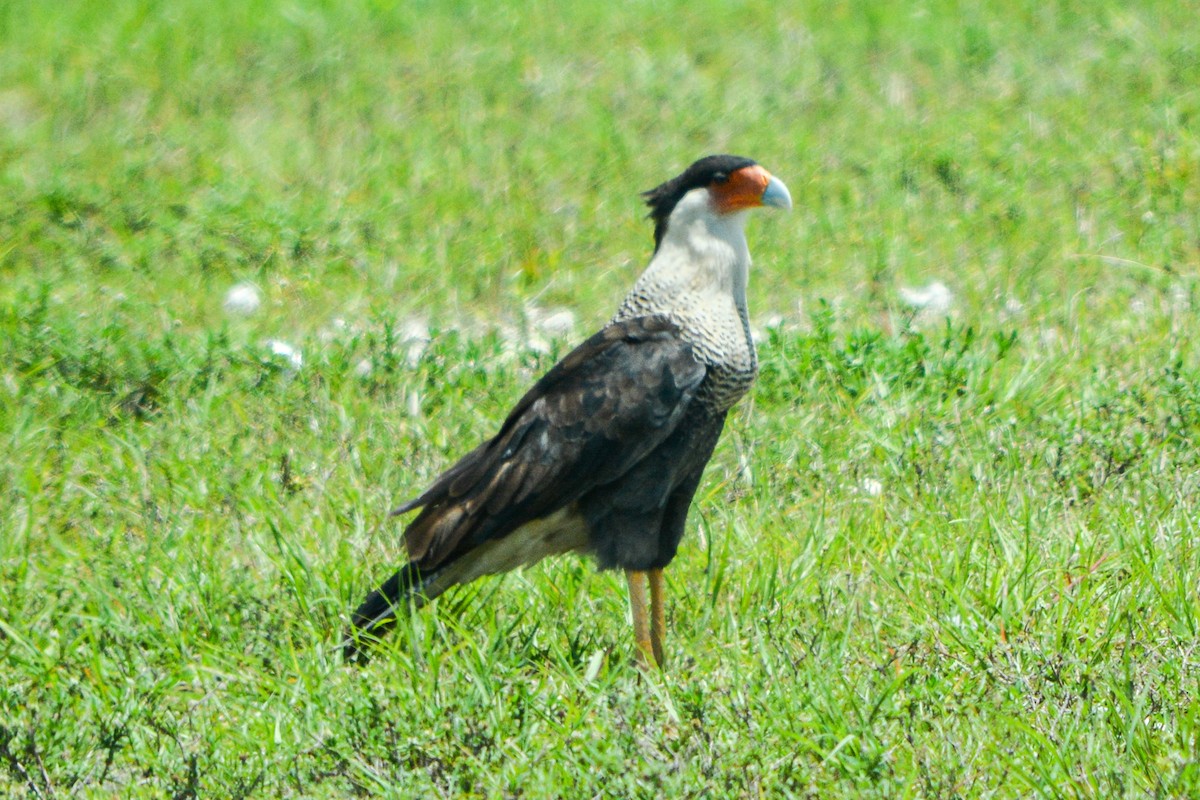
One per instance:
(932,557)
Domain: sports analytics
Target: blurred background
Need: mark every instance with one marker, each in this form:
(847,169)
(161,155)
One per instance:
(357,159)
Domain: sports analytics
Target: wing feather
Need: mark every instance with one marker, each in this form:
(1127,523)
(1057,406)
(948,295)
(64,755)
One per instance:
(592,417)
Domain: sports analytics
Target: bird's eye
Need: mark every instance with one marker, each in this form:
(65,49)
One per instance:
(720,177)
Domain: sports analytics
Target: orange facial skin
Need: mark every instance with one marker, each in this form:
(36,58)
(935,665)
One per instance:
(743,189)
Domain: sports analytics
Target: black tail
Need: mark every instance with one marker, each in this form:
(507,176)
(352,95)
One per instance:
(377,614)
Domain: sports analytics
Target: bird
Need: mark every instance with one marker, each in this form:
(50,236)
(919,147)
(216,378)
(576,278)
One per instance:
(604,453)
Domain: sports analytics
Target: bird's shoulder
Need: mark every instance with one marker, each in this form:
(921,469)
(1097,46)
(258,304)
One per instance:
(604,404)
(627,362)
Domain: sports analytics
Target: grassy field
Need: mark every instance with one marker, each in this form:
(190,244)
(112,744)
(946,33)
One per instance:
(939,553)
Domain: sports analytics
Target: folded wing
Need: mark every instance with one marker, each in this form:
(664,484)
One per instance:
(590,419)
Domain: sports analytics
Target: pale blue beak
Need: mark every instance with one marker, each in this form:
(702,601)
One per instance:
(776,194)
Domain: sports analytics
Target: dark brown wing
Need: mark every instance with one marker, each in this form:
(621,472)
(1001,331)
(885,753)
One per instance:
(585,423)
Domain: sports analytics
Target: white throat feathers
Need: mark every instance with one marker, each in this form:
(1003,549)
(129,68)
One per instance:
(697,278)
(703,253)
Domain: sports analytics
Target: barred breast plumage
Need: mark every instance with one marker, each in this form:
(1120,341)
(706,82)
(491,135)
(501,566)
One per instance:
(719,333)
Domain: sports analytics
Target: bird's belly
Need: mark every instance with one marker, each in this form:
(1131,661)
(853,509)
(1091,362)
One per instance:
(637,521)
(560,532)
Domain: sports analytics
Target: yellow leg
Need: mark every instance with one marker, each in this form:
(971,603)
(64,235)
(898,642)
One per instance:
(641,618)
(658,619)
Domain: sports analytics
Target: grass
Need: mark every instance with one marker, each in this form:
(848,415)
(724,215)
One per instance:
(932,558)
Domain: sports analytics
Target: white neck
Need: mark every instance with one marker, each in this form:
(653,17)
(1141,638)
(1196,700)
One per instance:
(702,254)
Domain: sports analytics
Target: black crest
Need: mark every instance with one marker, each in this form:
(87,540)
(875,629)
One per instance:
(706,171)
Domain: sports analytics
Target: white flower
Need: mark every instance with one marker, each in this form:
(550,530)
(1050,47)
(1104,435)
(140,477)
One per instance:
(537,344)
(773,322)
(871,487)
(557,323)
(337,327)
(935,298)
(414,333)
(517,342)
(414,329)
(285,352)
(243,300)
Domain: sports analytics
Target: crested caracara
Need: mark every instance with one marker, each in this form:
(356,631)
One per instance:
(603,455)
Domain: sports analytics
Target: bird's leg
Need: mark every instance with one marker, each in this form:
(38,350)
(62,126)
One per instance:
(641,619)
(658,618)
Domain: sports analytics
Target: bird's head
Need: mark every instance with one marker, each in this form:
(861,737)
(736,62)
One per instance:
(726,184)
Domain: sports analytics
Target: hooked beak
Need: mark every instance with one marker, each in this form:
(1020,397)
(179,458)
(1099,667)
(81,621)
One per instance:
(776,194)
